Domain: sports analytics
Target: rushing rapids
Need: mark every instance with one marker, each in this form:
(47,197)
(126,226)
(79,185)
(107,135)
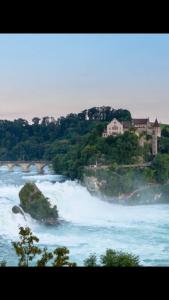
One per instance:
(91,225)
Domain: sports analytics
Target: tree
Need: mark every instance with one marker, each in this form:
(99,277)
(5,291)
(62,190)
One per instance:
(45,121)
(114,258)
(91,261)
(61,258)
(128,148)
(26,251)
(164,144)
(25,248)
(165,132)
(46,256)
(36,120)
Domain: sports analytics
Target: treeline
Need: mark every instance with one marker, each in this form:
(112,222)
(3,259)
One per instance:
(75,141)
(20,140)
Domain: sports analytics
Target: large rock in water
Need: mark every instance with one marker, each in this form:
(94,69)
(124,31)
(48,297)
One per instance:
(37,205)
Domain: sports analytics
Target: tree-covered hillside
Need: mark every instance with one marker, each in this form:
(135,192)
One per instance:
(75,141)
(20,140)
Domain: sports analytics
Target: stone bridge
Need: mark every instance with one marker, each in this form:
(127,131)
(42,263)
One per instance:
(24,165)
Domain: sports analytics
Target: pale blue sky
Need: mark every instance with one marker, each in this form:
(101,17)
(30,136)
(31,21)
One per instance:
(56,74)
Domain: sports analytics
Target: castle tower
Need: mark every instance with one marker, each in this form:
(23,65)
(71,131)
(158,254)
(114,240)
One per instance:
(155,134)
(154,145)
(156,128)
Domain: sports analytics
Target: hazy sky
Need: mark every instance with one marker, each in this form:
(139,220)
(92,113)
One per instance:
(56,74)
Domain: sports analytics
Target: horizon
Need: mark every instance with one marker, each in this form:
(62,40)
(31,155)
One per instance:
(57,74)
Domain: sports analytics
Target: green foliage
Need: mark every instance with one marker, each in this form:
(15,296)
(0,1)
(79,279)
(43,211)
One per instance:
(117,180)
(148,175)
(114,166)
(91,261)
(61,258)
(46,257)
(114,258)
(3,263)
(122,149)
(75,139)
(26,251)
(25,248)
(161,167)
(165,131)
(164,144)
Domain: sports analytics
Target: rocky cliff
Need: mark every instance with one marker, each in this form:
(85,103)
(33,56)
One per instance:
(144,194)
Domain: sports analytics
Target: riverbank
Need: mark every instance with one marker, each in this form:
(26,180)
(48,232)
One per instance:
(131,187)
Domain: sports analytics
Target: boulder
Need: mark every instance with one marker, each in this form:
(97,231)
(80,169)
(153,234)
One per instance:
(33,202)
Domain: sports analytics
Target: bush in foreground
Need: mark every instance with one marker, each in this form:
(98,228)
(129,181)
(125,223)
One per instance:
(113,258)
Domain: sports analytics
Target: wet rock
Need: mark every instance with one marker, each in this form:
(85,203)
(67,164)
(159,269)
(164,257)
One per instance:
(17,210)
(32,201)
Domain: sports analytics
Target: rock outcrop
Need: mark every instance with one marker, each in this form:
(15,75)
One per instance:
(33,202)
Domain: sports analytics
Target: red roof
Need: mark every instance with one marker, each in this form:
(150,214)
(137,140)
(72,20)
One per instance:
(140,121)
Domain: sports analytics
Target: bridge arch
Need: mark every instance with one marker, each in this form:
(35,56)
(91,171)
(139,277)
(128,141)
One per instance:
(25,165)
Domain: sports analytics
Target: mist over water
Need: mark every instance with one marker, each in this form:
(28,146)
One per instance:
(91,225)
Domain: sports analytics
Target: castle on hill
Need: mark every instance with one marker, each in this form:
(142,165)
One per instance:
(139,126)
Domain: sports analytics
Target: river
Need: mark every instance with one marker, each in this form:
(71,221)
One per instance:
(91,225)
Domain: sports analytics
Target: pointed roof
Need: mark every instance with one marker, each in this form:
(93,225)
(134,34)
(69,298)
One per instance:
(114,119)
(156,124)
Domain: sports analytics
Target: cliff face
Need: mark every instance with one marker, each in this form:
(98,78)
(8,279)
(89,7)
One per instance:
(144,194)
(92,184)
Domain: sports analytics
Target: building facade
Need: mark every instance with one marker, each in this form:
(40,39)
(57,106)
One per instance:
(139,126)
(114,128)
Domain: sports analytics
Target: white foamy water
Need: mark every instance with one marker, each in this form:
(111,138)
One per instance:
(91,226)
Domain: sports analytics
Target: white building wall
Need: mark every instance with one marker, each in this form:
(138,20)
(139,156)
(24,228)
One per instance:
(114,128)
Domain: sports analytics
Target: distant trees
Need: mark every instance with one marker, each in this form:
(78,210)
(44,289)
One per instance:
(36,121)
(70,159)
(105,113)
(161,167)
(165,131)
(23,141)
(74,141)
(163,142)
